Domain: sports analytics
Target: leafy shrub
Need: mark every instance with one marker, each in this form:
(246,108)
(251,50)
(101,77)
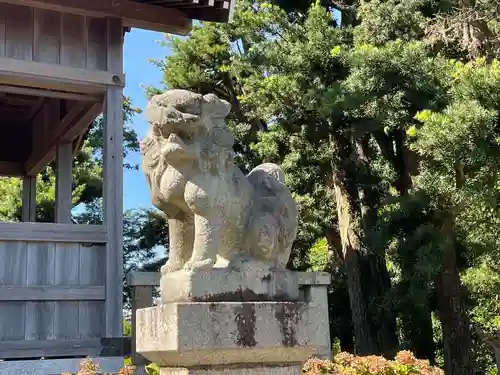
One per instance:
(87,367)
(343,364)
(347,364)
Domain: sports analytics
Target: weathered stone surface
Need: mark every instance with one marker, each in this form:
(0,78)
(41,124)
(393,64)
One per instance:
(212,208)
(251,283)
(316,297)
(314,278)
(209,334)
(255,370)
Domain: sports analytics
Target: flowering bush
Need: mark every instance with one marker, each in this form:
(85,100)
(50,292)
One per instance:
(343,364)
(347,364)
(87,367)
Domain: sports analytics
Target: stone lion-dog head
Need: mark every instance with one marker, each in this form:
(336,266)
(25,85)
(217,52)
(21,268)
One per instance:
(187,128)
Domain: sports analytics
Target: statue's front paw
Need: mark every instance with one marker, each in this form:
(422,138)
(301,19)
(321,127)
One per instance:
(200,264)
(171,266)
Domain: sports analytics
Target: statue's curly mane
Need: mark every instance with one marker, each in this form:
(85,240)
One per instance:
(148,146)
(153,164)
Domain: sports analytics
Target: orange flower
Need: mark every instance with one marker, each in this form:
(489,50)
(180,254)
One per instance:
(348,364)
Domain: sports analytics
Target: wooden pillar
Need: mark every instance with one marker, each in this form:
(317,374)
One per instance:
(113,182)
(28,213)
(64,179)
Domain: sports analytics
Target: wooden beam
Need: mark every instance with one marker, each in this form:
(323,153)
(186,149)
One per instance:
(113,183)
(73,124)
(82,123)
(64,182)
(35,108)
(117,346)
(133,14)
(42,154)
(11,169)
(49,232)
(219,11)
(108,365)
(78,143)
(56,77)
(49,348)
(28,213)
(49,93)
(52,293)
(232,9)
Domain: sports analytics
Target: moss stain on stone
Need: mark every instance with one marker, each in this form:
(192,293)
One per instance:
(241,295)
(214,319)
(245,324)
(288,316)
(267,278)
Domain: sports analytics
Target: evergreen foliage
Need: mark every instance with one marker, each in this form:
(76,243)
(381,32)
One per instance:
(386,126)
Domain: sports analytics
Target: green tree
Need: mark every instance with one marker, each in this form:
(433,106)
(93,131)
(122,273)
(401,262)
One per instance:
(461,143)
(338,107)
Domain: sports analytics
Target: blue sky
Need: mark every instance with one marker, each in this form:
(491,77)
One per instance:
(140,46)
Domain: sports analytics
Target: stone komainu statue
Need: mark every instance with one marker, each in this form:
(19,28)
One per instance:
(213,209)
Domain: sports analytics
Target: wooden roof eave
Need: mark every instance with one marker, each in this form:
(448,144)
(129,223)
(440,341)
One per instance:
(133,14)
(202,10)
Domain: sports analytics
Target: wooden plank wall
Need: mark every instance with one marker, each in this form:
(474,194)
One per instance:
(61,308)
(60,297)
(52,37)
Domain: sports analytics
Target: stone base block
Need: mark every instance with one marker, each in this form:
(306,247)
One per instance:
(256,370)
(248,283)
(213,334)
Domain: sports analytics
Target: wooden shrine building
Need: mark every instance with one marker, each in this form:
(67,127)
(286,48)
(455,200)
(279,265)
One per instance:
(61,66)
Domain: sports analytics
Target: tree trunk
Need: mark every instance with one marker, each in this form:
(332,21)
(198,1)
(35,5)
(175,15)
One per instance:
(351,247)
(346,337)
(377,286)
(457,338)
(335,254)
(340,313)
(420,334)
(338,296)
(376,280)
(367,276)
(416,319)
(493,340)
(497,358)
(417,328)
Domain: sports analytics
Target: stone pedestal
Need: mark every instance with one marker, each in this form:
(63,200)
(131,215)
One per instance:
(221,328)
(214,337)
